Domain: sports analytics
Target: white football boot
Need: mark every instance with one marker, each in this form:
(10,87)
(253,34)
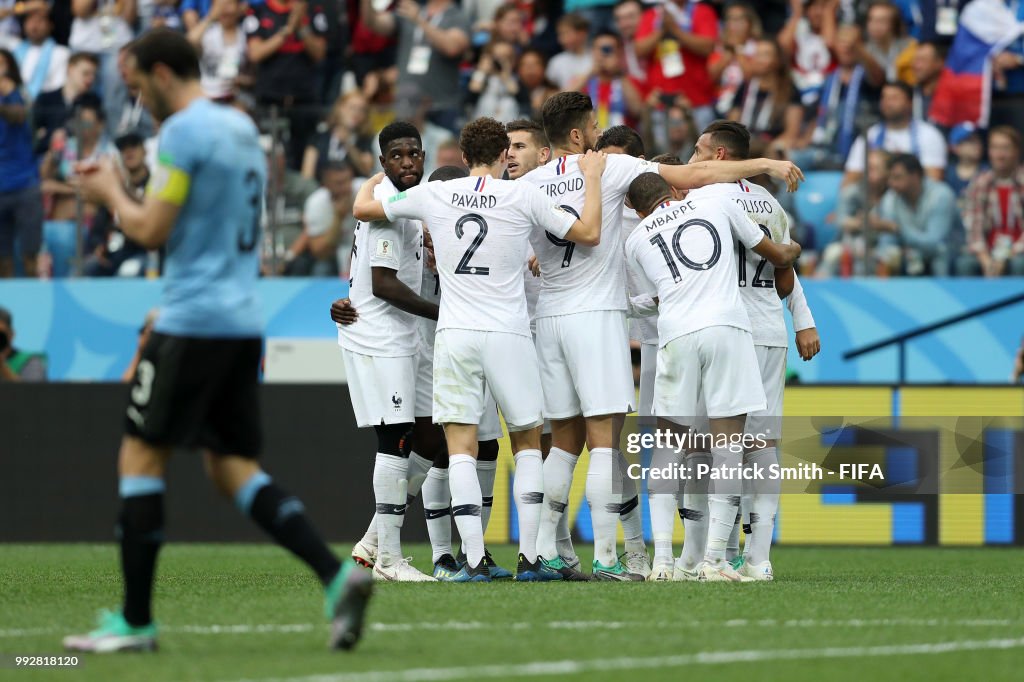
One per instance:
(401,571)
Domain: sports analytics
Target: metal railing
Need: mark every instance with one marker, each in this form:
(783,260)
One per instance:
(900,340)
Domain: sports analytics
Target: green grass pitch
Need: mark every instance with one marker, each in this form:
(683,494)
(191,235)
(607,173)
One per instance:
(251,612)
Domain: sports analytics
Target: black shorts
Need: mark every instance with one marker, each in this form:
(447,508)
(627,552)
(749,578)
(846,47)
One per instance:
(198,392)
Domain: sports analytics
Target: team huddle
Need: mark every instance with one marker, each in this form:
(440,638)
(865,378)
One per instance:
(472,293)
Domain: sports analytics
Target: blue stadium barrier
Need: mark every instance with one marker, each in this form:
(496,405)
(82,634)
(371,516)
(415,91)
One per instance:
(817,199)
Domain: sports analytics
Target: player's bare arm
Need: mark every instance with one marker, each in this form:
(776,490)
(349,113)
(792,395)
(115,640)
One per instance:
(779,255)
(784,281)
(343,313)
(704,173)
(149,223)
(365,207)
(587,230)
(387,287)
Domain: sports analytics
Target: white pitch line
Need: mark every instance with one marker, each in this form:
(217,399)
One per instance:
(286,628)
(603,665)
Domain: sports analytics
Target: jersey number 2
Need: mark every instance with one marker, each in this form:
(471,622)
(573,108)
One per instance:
(464,268)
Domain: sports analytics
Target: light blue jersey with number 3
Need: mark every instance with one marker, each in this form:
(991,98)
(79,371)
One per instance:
(210,164)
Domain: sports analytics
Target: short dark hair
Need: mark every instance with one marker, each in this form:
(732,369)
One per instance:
(941,49)
(167,47)
(731,135)
(448,173)
(563,112)
(88,101)
(13,70)
(608,34)
(646,190)
(668,160)
(622,136)
(397,130)
(907,91)
(482,141)
(577,21)
(528,125)
(84,57)
(1009,132)
(908,162)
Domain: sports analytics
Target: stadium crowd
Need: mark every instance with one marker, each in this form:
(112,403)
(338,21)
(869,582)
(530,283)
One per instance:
(844,88)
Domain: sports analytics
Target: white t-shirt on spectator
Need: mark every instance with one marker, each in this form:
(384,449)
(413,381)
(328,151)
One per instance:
(921,139)
(221,62)
(100,32)
(318,214)
(55,72)
(565,67)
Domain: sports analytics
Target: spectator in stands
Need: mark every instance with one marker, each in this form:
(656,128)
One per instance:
(346,138)
(43,62)
(809,38)
(616,100)
(1008,70)
(994,211)
(850,93)
(482,17)
(52,109)
(431,42)
(768,103)
(21,205)
(732,61)
(324,247)
(922,211)
(509,26)
(677,132)
(846,256)
(494,84)
(222,48)
(17,365)
(574,61)
(966,145)
(11,12)
(898,132)
(678,37)
(132,117)
(371,53)
(598,13)
(888,45)
(164,14)
(535,87)
(286,42)
(110,252)
(103,27)
(927,64)
(83,139)
(627,15)
(449,153)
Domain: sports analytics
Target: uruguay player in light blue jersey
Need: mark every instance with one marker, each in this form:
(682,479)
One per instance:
(197,383)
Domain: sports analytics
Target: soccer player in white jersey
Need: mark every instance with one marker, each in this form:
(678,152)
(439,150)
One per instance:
(379,352)
(683,252)
(761,287)
(480,227)
(581,325)
(529,149)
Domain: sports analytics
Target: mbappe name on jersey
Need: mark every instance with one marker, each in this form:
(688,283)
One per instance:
(665,218)
(474,200)
(556,189)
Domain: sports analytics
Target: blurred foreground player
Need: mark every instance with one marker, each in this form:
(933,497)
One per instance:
(197,381)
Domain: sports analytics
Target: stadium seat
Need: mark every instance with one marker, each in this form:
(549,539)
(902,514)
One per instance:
(815,201)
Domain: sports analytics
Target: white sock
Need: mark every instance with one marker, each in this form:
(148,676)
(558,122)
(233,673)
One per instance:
(466,503)
(389,491)
(732,548)
(528,491)
(486,471)
(723,504)
(563,535)
(437,501)
(694,513)
(604,504)
(763,508)
(662,497)
(418,468)
(370,538)
(558,470)
(630,517)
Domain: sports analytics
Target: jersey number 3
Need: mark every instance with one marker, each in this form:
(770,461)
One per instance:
(464,268)
(250,233)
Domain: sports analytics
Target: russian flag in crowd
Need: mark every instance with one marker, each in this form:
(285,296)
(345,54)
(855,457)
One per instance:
(964,92)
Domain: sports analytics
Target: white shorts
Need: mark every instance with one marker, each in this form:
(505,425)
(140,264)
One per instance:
(648,370)
(382,389)
(585,365)
(772,363)
(467,362)
(490,422)
(425,379)
(717,364)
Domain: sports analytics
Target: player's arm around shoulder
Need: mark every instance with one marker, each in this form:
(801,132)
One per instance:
(705,173)
(747,231)
(366,208)
(587,229)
